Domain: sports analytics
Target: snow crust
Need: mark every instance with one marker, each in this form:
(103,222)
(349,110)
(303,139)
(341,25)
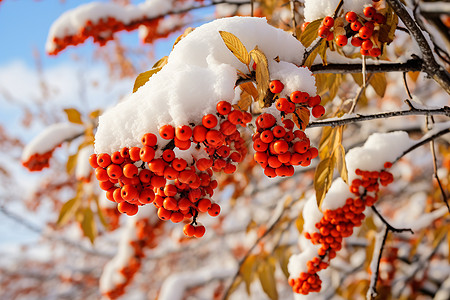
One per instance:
(317,9)
(200,72)
(50,138)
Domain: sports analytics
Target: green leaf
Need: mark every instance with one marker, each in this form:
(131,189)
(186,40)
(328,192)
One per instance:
(266,274)
(68,210)
(73,115)
(310,34)
(235,45)
(88,224)
(142,78)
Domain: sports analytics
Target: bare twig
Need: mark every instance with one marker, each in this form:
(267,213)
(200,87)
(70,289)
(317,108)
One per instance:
(294,22)
(389,226)
(360,118)
(360,91)
(435,175)
(431,67)
(406,87)
(372,293)
(410,65)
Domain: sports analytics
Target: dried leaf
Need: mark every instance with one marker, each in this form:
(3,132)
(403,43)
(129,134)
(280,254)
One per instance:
(245,101)
(262,76)
(379,83)
(95,114)
(185,33)
(283,253)
(73,115)
(340,162)
(142,78)
(299,222)
(100,213)
(233,287)
(301,117)
(312,56)
(266,274)
(71,163)
(161,63)
(249,88)
(247,271)
(236,47)
(68,210)
(310,34)
(323,178)
(387,30)
(88,224)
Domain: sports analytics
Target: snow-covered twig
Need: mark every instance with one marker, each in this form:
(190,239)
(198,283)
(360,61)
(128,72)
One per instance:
(360,118)
(415,64)
(431,67)
(372,292)
(389,226)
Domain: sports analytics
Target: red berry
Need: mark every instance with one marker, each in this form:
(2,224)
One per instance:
(356,41)
(209,121)
(341,40)
(313,101)
(299,97)
(318,111)
(379,18)
(369,12)
(104,160)
(149,139)
(282,104)
(199,231)
(93,161)
(304,25)
(183,132)
(351,16)
(375,52)
(365,32)
(276,86)
(323,32)
(167,132)
(127,208)
(367,45)
(189,230)
(223,108)
(356,26)
(328,21)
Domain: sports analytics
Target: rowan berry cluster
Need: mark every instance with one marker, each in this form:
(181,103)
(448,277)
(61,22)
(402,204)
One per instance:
(103,31)
(37,161)
(179,189)
(363,30)
(279,148)
(146,237)
(339,223)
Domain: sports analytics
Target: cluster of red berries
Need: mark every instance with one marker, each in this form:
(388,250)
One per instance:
(339,223)
(359,28)
(179,189)
(103,31)
(296,100)
(146,237)
(279,148)
(37,162)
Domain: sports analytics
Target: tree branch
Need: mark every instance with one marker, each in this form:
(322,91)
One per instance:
(410,65)
(360,118)
(389,226)
(431,67)
(372,292)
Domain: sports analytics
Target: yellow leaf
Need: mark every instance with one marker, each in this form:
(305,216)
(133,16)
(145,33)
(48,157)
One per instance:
(323,178)
(262,76)
(249,88)
(312,56)
(247,271)
(340,162)
(71,163)
(233,287)
(245,101)
(387,30)
(379,83)
(94,114)
(236,47)
(299,222)
(310,34)
(100,213)
(68,209)
(88,224)
(161,63)
(266,274)
(283,253)
(142,78)
(73,115)
(185,33)
(301,117)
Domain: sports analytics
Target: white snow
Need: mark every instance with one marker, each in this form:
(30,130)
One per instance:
(337,195)
(83,169)
(200,72)
(50,138)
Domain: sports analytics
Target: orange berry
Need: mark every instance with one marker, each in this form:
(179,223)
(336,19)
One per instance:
(130,170)
(280,147)
(199,133)
(203,205)
(365,32)
(369,12)
(114,171)
(164,214)
(304,25)
(235,117)
(328,22)
(223,108)
(276,86)
(176,217)
(129,192)
(214,210)
(214,138)
(135,153)
(199,231)
(265,120)
(227,128)
(147,154)
(351,16)
(318,111)
(101,174)
(183,132)
(127,208)
(356,26)
(170,203)
(167,132)
(356,41)
(323,32)
(182,145)
(158,181)
(209,121)
(149,139)
(93,161)
(341,40)
(117,158)
(367,45)
(189,230)
(104,160)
